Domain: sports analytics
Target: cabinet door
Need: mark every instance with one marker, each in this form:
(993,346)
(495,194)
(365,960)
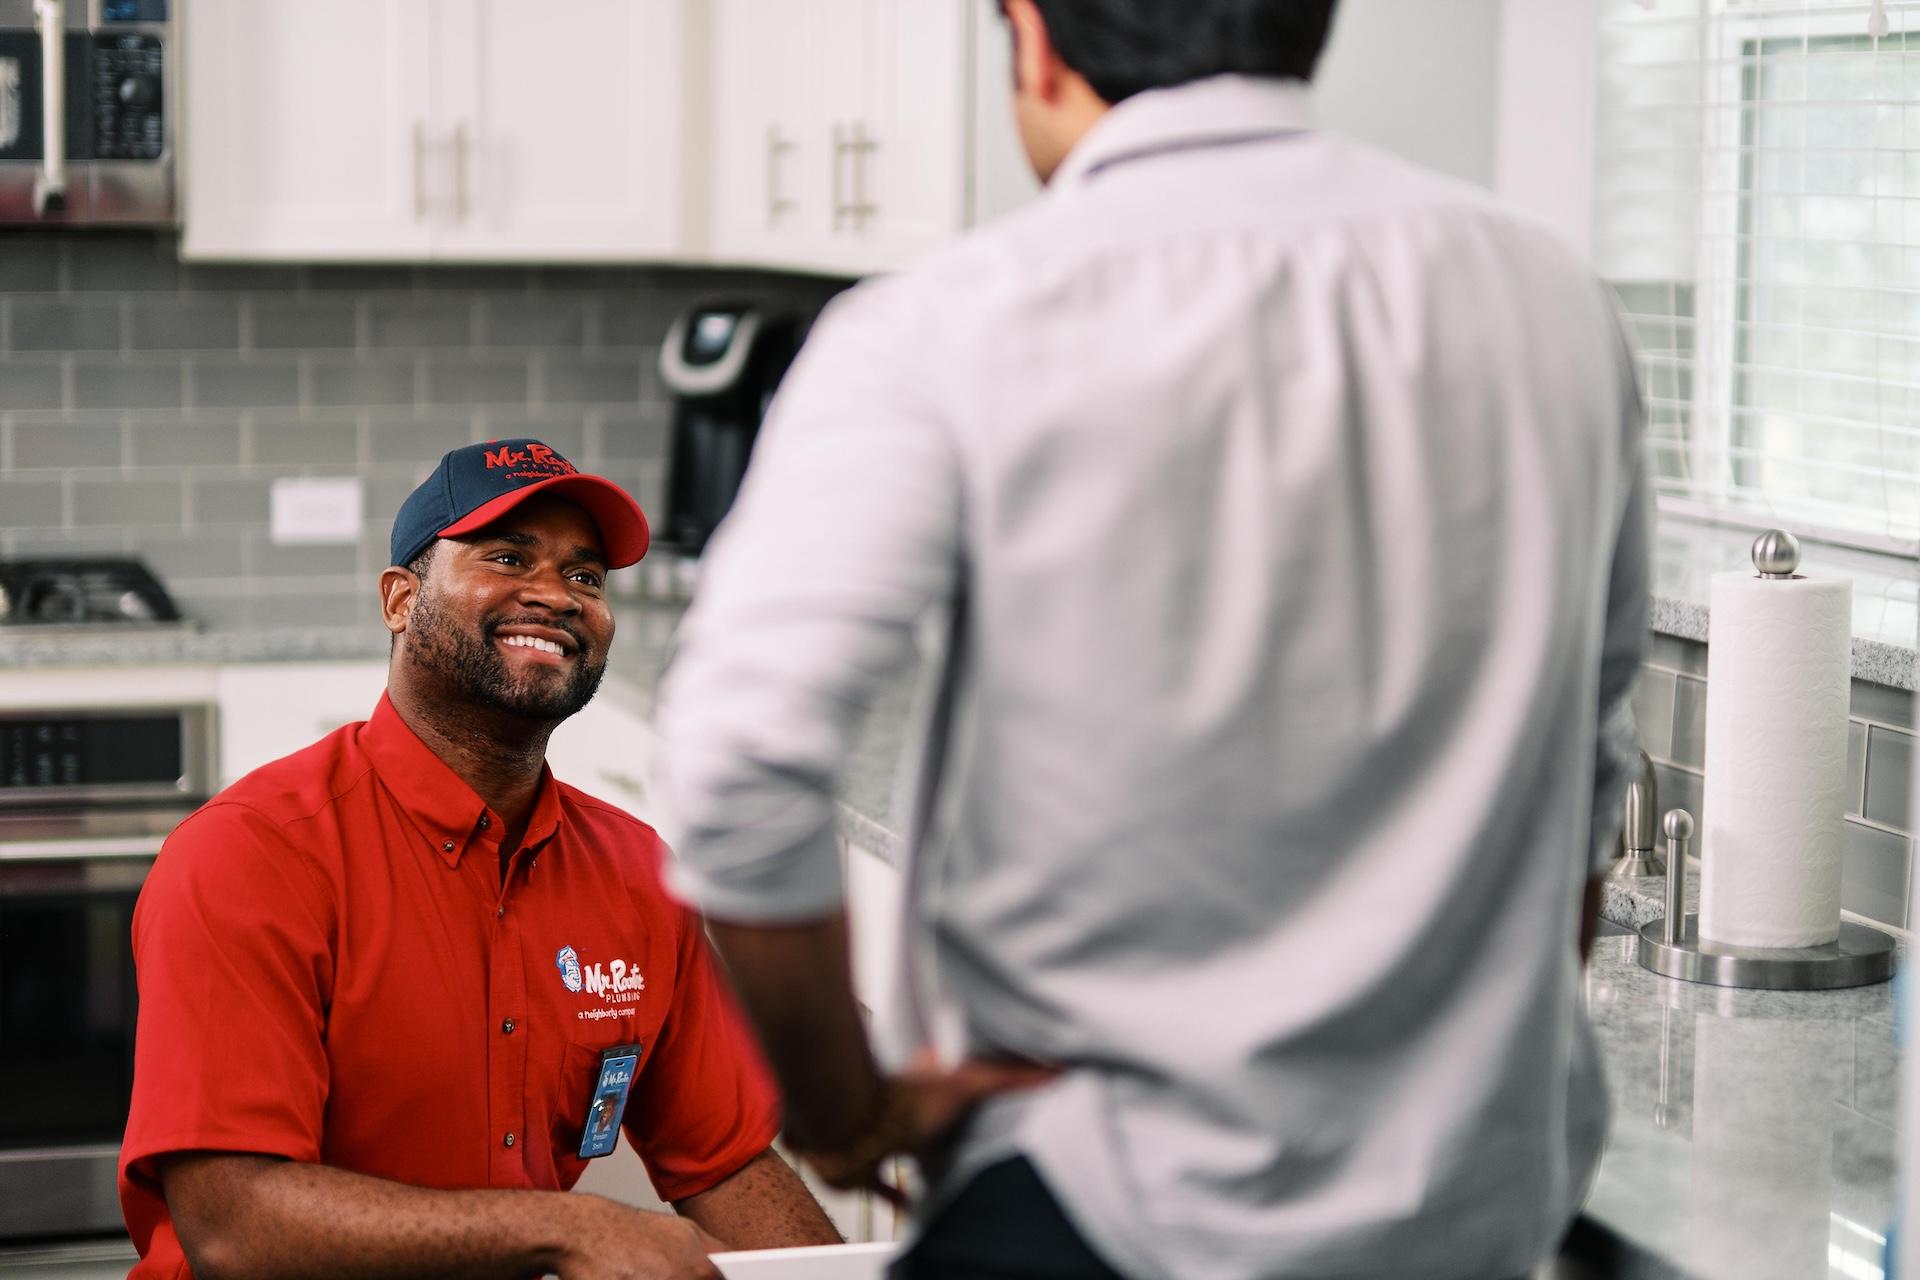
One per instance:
(561,124)
(785,91)
(908,175)
(306,129)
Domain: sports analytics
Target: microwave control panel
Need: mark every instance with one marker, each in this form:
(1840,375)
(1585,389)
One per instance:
(128,116)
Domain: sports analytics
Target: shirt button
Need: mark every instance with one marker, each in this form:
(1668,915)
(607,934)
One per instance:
(508,1140)
(447,847)
(499,912)
(485,822)
(506,1028)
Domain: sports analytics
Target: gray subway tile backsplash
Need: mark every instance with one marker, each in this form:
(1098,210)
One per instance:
(182,322)
(1653,711)
(119,262)
(32,384)
(184,440)
(545,322)
(150,383)
(217,498)
(65,324)
(632,434)
(31,504)
(400,322)
(1874,866)
(233,382)
(287,324)
(332,441)
(400,436)
(1883,705)
(1889,796)
(1856,765)
(603,379)
(1690,721)
(41,441)
(126,503)
(382,379)
(478,380)
(265,560)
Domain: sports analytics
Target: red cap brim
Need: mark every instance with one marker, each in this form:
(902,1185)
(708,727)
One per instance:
(623,526)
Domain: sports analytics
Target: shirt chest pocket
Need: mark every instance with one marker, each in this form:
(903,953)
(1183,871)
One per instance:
(577,1091)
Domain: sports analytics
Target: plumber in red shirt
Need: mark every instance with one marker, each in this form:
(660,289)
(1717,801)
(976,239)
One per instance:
(398,988)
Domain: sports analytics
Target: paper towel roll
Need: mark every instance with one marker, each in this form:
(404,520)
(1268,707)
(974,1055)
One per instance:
(1779,667)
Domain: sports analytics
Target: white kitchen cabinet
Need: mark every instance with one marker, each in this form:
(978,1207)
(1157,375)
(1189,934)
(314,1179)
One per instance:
(451,129)
(307,129)
(566,123)
(840,131)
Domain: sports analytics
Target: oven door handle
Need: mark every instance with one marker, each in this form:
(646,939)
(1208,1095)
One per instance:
(50,184)
(100,849)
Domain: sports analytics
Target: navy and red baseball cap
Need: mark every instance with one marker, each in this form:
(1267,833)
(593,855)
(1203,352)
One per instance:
(477,484)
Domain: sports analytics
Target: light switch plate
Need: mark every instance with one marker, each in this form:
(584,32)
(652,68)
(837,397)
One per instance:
(316,511)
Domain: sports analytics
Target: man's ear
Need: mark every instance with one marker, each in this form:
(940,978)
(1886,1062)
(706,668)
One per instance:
(1036,67)
(399,588)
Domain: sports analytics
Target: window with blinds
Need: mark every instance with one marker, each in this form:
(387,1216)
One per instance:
(1759,216)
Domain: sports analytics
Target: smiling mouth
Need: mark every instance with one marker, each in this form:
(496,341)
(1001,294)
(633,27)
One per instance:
(535,643)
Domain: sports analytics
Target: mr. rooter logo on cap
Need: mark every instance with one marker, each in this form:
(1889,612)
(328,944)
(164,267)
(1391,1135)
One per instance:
(535,462)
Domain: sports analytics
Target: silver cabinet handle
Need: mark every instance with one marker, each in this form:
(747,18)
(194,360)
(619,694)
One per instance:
(50,184)
(777,147)
(860,148)
(419,169)
(460,201)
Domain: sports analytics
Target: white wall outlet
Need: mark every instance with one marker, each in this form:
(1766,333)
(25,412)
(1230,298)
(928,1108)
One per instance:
(317,511)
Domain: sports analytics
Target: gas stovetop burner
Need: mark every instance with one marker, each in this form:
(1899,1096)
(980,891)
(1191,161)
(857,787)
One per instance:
(82,592)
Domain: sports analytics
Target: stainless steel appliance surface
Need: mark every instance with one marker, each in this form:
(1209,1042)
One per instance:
(87,94)
(87,794)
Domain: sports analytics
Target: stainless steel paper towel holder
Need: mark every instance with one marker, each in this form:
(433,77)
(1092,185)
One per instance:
(1672,946)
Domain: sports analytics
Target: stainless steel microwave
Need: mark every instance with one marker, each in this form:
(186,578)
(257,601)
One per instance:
(87,111)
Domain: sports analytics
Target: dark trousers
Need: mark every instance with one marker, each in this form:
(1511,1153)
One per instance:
(1005,1225)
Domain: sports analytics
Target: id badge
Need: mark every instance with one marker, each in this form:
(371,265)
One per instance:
(618,1066)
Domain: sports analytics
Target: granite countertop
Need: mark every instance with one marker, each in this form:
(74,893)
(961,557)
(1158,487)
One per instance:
(1753,1132)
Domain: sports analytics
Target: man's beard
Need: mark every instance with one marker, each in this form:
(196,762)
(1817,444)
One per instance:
(471,662)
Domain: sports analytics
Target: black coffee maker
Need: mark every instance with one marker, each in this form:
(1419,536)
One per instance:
(721,362)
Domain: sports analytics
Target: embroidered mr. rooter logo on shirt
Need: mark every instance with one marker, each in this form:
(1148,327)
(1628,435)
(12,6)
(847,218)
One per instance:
(615,982)
(535,462)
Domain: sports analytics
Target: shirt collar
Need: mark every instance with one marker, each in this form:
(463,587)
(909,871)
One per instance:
(1217,111)
(446,811)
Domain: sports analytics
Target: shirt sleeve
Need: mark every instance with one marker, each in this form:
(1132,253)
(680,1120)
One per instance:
(1625,640)
(845,531)
(232,956)
(705,1103)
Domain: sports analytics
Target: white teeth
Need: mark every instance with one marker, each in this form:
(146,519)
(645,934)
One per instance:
(535,642)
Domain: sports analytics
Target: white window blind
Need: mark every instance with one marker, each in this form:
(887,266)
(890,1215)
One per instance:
(1759,216)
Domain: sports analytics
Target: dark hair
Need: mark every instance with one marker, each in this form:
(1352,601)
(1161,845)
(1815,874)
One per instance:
(1124,47)
(424,561)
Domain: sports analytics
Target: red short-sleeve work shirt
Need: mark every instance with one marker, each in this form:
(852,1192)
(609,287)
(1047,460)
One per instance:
(331,971)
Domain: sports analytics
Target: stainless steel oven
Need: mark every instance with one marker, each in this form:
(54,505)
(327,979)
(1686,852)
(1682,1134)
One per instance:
(86,797)
(87,97)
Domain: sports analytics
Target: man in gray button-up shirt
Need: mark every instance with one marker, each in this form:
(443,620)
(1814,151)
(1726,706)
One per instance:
(1281,501)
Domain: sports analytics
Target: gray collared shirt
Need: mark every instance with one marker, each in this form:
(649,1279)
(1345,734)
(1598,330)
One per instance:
(1283,505)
